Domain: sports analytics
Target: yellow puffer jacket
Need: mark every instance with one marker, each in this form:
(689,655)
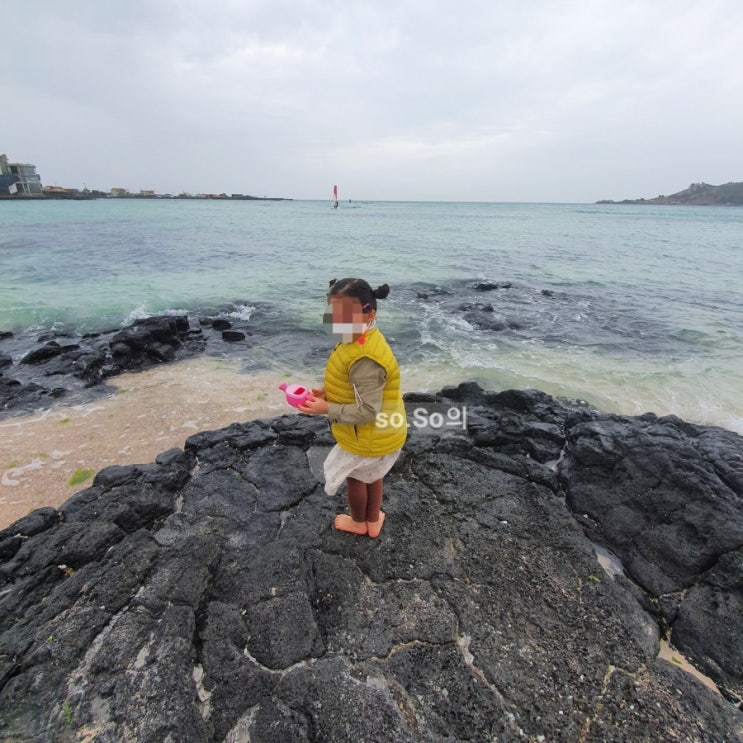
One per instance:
(388,432)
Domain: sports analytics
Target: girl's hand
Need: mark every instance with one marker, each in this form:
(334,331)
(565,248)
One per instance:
(318,394)
(314,405)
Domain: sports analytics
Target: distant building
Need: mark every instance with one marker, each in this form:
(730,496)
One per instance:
(5,179)
(19,178)
(118,192)
(59,191)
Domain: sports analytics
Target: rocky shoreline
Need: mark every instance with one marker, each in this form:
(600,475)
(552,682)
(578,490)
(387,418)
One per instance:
(56,365)
(206,597)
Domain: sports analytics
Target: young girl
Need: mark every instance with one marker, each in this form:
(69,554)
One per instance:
(362,399)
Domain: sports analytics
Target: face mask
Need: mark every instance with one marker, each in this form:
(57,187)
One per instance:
(348,330)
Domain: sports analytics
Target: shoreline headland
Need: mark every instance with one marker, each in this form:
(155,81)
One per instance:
(207,593)
(697,194)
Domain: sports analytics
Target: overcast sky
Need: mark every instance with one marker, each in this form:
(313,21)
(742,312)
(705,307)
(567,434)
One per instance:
(482,100)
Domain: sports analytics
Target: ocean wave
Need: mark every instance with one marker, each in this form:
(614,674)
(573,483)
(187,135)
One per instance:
(142,313)
(242,312)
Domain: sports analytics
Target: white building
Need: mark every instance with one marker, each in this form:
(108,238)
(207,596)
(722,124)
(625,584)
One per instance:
(19,178)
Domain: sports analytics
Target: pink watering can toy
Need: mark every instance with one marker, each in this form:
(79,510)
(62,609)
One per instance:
(296,394)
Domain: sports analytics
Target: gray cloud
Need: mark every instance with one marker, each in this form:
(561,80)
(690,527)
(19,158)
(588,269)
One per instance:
(542,101)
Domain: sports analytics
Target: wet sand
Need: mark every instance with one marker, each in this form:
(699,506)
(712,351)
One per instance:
(145,414)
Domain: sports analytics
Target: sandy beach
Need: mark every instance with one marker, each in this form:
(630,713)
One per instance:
(48,456)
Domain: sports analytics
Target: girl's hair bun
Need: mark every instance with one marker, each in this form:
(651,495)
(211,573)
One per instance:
(381,292)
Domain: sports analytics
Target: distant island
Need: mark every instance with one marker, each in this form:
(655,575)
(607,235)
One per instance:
(699,194)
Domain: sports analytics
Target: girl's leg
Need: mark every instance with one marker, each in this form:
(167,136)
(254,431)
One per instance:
(357,504)
(374,500)
(374,514)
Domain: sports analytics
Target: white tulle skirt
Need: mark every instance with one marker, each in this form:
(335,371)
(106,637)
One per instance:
(341,464)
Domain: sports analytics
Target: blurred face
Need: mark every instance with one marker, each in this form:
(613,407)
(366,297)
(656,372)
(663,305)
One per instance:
(346,318)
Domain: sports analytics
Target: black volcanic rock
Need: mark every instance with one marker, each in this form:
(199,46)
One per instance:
(151,339)
(89,360)
(206,597)
(44,353)
(16,394)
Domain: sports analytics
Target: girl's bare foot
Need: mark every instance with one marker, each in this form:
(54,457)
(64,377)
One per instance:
(374,527)
(346,523)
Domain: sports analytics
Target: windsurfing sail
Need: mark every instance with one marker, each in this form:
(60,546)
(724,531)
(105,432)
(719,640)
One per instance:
(335,197)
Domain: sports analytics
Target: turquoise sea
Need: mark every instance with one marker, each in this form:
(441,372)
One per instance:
(632,308)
